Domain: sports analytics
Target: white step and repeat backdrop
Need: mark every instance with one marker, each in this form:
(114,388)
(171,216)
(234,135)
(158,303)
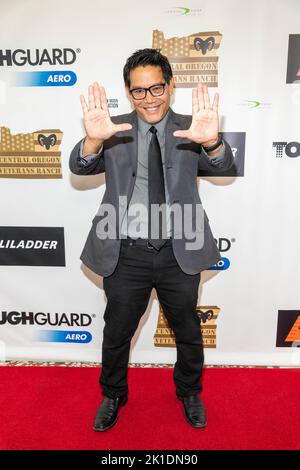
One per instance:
(51,307)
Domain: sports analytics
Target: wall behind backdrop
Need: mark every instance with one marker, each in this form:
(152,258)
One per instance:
(51,306)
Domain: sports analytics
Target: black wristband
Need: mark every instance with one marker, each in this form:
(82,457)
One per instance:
(215,146)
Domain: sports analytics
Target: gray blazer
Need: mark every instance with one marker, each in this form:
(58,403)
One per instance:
(119,162)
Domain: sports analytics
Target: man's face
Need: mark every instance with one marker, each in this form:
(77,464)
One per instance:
(151,108)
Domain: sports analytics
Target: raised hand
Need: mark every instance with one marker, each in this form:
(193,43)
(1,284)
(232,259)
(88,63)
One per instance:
(97,122)
(205,120)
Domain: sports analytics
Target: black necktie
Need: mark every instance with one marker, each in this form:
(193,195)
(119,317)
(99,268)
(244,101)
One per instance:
(156,190)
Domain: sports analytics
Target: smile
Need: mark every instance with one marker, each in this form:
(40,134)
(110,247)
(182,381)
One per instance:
(152,108)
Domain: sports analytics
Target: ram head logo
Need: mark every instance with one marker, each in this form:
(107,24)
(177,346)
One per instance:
(205,316)
(47,141)
(204,45)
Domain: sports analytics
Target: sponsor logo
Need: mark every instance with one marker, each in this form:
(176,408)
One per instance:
(49,78)
(184,11)
(237,142)
(32,246)
(45,318)
(37,57)
(34,155)
(288,329)
(254,104)
(221,265)
(291,149)
(224,245)
(164,335)
(113,103)
(194,58)
(293,62)
(40,57)
(54,336)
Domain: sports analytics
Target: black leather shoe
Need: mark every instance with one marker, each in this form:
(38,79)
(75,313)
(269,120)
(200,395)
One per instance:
(194,411)
(107,413)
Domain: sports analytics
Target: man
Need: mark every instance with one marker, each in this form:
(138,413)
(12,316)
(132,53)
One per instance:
(151,158)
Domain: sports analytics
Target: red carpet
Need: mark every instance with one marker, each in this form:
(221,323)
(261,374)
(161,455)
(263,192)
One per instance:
(54,407)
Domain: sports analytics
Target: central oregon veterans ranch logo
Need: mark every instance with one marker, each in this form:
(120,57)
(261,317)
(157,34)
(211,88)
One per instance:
(194,59)
(34,155)
(164,335)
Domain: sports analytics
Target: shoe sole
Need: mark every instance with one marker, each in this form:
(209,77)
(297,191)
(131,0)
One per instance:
(112,424)
(187,419)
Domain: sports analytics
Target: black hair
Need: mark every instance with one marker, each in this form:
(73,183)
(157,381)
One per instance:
(144,57)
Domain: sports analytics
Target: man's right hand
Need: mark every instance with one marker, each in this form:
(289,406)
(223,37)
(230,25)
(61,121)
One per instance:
(98,125)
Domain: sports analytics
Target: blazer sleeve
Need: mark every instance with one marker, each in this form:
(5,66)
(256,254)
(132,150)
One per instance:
(206,164)
(81,166)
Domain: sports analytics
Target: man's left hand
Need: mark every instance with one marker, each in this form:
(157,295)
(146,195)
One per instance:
(204,128)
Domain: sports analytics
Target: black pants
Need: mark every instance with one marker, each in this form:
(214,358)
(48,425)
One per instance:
(128,289)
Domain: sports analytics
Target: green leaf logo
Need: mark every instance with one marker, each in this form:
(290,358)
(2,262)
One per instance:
(253,104)
(185,10)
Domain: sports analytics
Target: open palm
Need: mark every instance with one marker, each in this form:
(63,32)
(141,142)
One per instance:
(97,122)
(205,120)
